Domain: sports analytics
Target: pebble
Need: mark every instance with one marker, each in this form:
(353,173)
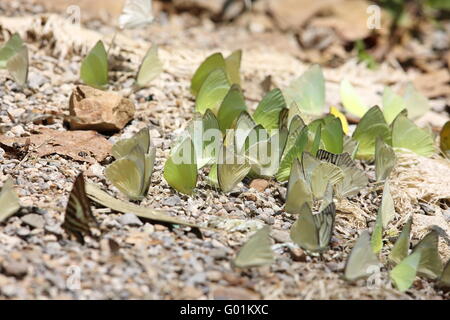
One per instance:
(34,220)
(130,219)
(15,268)
(172,201)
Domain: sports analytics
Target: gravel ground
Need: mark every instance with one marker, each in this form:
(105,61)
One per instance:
(153,261)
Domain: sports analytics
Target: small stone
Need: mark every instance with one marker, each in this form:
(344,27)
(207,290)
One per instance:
(259,184)
(18,130)
(23,232)
(172,201)
(281,236)
(214,276)
(15,269)
(297,254)
(160,227)
(36,80)
(130,219)
(93,109)
(34,220)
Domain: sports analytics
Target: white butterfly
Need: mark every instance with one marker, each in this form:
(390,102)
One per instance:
(136,13)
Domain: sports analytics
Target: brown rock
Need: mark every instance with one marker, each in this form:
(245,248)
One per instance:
(259,184)
(297,254)
(93,109)
(14,268)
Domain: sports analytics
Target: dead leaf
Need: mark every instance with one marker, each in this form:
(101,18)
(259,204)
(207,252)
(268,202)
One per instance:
(88,146)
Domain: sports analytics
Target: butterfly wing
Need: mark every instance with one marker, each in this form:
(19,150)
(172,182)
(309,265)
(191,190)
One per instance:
(136,13)
(17,66)
(404,273)
(430,262)
(362,260)
(150,68)
(304,232)
(231,169)
(324,221)
(9,201)
(298,191)
(256,251)
(401,246)
(78,218)
(384,160)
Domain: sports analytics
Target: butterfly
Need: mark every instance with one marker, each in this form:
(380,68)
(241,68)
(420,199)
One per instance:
(268,111)
(14,57)
(444,279)
(351,100)
(430,264)
(353,179)
(9,201)
(445,139)
(404,273)
(362,261)
(313,232)
(401,246)
(213,91)
(331,133)
(298,190)
(94,68)
(135,14)
(131,172)
(150,68)
(384,160)
(231,107)
(256,251)
(78,218)
(308,91)
(232,168)
(180,169)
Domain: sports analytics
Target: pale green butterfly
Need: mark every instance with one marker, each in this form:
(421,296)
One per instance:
(94,68)
(362,261)
(17,66)
(308,91)
(332,135)
(150,68)
(444,279)
(351,100)
(213,91)
(292,151)
(232,106)
(232,168)
(136,13)
(393,104)
(405,272)
(123,147)
(401,246)
(268,111)
(384,160)
(298,190)
(416,103)
(371,126)
(256,251)
(386,213)
(9,201)
(376,240)
(430,264)
(406,135)
(313,232)
(206,137)
(180,170)
(244,126)
(10,49)
(233,67)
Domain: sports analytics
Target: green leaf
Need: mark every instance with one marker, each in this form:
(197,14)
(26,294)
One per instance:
(212,92)
(351,100)
(232,106)
(94,68)
(268,111)
(308,91)
(180,170)
(211,63)
(371,126)
(233,67)
(150,68)
(406,135)
(404,273)
(256,251)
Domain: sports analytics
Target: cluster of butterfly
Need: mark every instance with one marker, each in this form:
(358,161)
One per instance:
(94,68)
(14,58)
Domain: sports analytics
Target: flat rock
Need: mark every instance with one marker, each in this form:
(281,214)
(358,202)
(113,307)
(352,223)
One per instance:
(102,111)
(129,219)
(34,220)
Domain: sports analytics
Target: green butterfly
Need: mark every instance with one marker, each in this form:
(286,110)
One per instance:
(332,135)
(298,190)
(256,251)
(406,135)
(444,279)
(386,213)
(401,246)
(268,111)
(371,126)
(230,66)
(430,264)
(362,261)
(14,57)
(405,272)
(78,218)
(308,91)
(353,179)
(232,106)
(393,104)
(206,137)
(244,126)
(131,172)
(444,141)
(150,68)
(232,168)
(313,232)
(384,160)
(351,100)
(212,92)
(9,201)
(296,143)
(94,68)
(180,170)
(416,103)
